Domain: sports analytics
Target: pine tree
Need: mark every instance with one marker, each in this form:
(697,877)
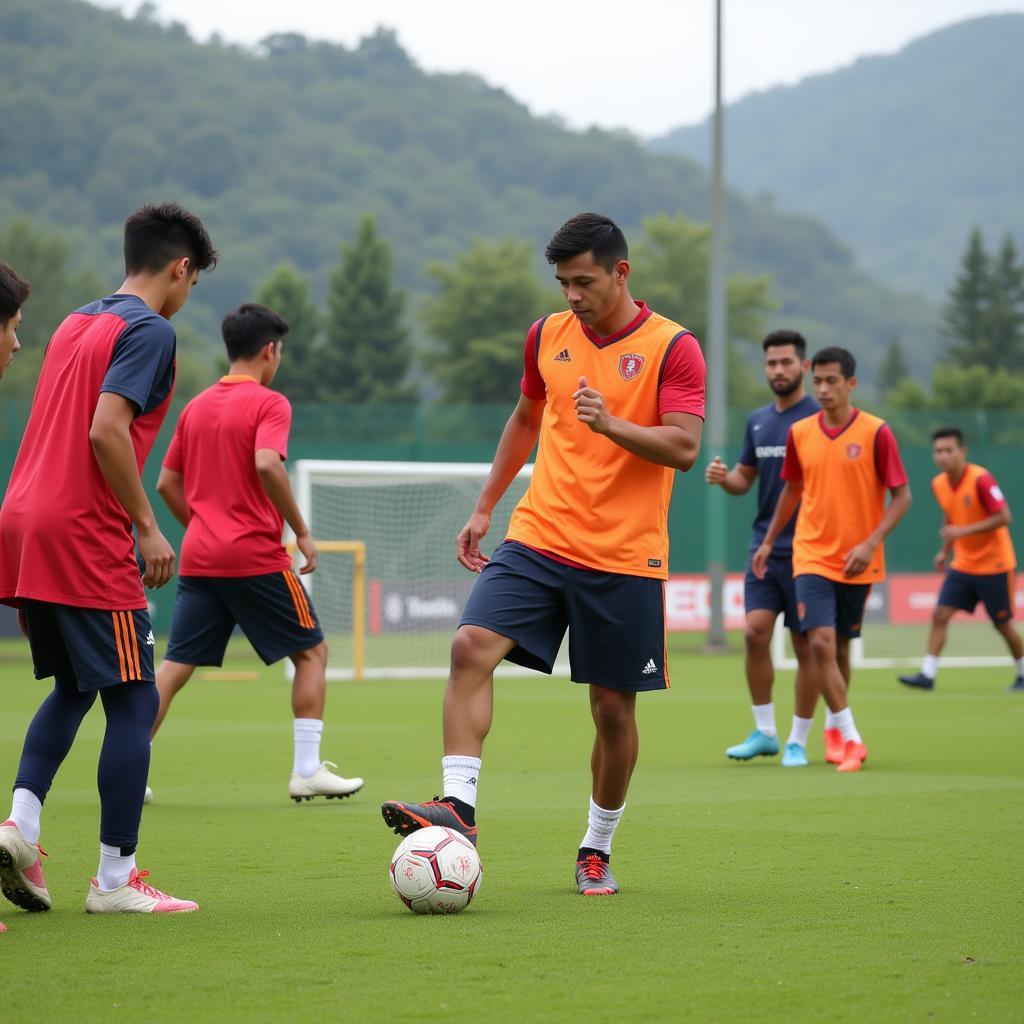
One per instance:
(368,352)
(287,293)
(965,314)
(893,370)
(1004,316)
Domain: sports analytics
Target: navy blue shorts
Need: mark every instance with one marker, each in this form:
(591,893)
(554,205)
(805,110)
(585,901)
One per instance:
(96,648)
(995,591)
(775,593)
(616,623)
(825,602)
(273,611)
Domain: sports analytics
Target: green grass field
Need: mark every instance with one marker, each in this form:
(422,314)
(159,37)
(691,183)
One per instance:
(749,892)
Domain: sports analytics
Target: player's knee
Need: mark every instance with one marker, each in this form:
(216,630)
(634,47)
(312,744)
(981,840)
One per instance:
(312,655)
(470,652)
(613,713)
(757,637)
(822,647)
(941,615)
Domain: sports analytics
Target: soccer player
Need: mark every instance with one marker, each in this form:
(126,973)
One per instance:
(764,445)
(14,290)
(224,480)
(982,567)
(838,466)
(615,394)
(68,556)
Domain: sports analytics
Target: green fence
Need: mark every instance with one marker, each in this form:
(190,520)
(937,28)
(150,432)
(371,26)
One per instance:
(461,433)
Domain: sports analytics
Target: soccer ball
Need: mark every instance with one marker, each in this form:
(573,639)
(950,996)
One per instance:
(435,871)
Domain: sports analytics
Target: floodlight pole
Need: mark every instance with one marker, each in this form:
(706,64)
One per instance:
(718,412)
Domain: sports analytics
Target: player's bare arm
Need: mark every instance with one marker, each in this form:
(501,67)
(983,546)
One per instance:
(950,533)
(859,558)
(171,487)
(278,488)
(110,436)
(675,443)
(517,441)
(788,501)
(737,480)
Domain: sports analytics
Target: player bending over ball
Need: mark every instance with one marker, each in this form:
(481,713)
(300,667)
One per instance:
(615,394)
(977,534)
(67,554)
(14,290)
(838,466)
(224,480)
(764,445)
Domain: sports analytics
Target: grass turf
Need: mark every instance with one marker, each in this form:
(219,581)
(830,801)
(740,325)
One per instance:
(750,893)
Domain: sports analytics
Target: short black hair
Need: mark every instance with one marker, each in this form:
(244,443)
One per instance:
(778,338)
(157,235)
(835,354)
(247,329)
(588,232)
(14,290)
(955,432)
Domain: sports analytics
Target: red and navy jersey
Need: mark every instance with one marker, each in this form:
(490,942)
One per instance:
(64,536)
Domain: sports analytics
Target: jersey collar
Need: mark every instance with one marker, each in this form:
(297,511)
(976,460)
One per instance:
(237,378)
(634,325)
(833,432)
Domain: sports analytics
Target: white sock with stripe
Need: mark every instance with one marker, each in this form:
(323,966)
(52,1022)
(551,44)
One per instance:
(307,746)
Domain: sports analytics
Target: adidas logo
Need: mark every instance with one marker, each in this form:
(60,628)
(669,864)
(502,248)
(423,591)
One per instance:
(150,640)
(563,356)
(650,668)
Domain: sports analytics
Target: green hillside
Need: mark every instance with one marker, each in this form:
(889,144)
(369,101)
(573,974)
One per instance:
(899,155)
(283,149)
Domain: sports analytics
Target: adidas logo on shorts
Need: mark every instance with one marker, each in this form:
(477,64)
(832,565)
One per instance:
(650,668)
(151,640)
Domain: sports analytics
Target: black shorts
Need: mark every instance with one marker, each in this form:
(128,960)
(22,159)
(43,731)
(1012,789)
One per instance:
(616,623)
(97,648)
(824,602)
(996,591)
(273,611)
(775,593)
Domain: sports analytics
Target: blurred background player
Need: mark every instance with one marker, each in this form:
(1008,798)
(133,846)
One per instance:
(14,290)
(68,557)
(983,563)
(838,466)
(764,446)
(224,480)
(615,394)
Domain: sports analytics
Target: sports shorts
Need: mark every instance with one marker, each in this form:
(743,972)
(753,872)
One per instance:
(616,623)
(996,591)
(775,593)
(824,602)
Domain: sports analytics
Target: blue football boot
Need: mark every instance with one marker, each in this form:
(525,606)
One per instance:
(794,756)
(755,745)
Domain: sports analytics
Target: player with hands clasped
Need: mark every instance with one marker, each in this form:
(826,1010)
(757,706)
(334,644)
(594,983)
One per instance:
(613,394)
(67,553)
(976,533)
(224,480)
(764,445)
(837,468)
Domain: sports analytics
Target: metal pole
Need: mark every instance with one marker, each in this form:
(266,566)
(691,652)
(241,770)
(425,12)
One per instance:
(718,413)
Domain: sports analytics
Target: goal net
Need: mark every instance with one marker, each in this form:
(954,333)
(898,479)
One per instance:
(407,515)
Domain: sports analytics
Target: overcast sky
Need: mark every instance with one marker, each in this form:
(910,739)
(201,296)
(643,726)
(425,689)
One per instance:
(640,64)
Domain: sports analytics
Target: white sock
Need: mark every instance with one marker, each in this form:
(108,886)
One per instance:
(764,718)
(25,810)
(930,666)
(307,746)
(800,729)
(830,720)
(460,776)
(845,724)
(1020,666)
(601,826)
(114,870)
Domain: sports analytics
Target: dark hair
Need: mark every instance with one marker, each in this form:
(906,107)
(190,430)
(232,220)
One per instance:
(835,354)
(14,290)
(588,232)
(157,235)
(778,338)
(247,329)
(955,432)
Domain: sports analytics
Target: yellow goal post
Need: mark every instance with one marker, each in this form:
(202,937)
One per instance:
(357,549)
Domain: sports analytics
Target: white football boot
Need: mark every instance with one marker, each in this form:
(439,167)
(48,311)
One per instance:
(21,871)
(322,782)
(134,897)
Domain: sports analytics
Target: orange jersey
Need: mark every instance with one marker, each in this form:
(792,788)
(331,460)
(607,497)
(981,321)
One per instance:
(845,474)
(590,501)
(975,496)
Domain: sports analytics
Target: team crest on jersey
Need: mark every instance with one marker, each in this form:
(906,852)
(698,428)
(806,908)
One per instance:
(852,451)
(630,366)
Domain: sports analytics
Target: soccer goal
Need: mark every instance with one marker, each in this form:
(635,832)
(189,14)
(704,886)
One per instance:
(406,515)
